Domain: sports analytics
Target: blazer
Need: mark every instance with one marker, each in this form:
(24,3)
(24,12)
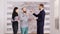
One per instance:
(41,17)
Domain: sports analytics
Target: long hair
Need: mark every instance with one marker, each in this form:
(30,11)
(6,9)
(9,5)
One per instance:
(14,13)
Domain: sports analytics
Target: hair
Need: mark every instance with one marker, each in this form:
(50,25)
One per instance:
(41,5)
(22,8)
(14,13)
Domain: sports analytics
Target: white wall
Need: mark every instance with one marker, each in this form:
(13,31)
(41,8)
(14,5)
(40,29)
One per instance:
(55,14)
(10,6)
(2,16)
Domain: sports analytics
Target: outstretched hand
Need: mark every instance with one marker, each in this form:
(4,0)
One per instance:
(32,10)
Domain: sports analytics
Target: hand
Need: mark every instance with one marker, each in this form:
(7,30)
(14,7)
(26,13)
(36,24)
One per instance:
(35,18)
(32,10)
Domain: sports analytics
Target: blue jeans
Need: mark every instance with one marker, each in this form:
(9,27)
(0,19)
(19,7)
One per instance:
(24,30)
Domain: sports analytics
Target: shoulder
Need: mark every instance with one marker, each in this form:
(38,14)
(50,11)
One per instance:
(43,11)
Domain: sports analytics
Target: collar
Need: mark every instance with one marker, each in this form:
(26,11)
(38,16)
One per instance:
(42,9)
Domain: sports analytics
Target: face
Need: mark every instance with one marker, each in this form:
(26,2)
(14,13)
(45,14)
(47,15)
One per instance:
(40,7)
(17,10)
(24,10)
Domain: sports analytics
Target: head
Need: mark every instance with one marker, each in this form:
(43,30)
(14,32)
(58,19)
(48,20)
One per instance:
(41,6)
(15,10)
(24,10)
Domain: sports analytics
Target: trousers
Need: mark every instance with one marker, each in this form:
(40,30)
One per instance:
(15,27)
(24,30)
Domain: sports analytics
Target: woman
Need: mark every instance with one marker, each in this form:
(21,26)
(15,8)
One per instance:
(15,20)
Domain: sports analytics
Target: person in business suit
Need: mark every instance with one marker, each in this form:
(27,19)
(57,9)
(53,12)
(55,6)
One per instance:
(40,20)
(15,20)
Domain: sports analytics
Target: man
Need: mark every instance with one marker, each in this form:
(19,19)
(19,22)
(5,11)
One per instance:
(40,20)
(24,21)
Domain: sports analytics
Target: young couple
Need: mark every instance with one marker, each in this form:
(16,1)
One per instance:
(24,17)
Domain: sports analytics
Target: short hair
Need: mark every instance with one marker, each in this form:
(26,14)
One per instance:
(41,5)
(23,8)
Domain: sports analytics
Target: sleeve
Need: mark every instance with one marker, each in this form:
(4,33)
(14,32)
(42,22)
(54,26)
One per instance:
(43,16)
(20,17)
(13,15)
(35,15)
(12,19)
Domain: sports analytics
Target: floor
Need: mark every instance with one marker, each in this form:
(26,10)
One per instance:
(29,33)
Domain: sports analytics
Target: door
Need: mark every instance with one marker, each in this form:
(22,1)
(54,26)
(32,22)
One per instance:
(55,17)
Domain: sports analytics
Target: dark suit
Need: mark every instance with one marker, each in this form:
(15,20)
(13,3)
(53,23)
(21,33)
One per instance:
(40,22)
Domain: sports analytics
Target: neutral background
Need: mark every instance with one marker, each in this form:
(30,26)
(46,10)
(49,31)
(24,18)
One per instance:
(6,7)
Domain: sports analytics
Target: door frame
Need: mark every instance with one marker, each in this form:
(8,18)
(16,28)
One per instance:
(52,19)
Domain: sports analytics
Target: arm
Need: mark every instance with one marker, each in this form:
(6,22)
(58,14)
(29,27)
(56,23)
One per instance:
(35,15)
(43,16)
(32,11)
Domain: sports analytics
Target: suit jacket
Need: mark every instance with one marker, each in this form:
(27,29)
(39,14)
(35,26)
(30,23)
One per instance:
(41,17)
